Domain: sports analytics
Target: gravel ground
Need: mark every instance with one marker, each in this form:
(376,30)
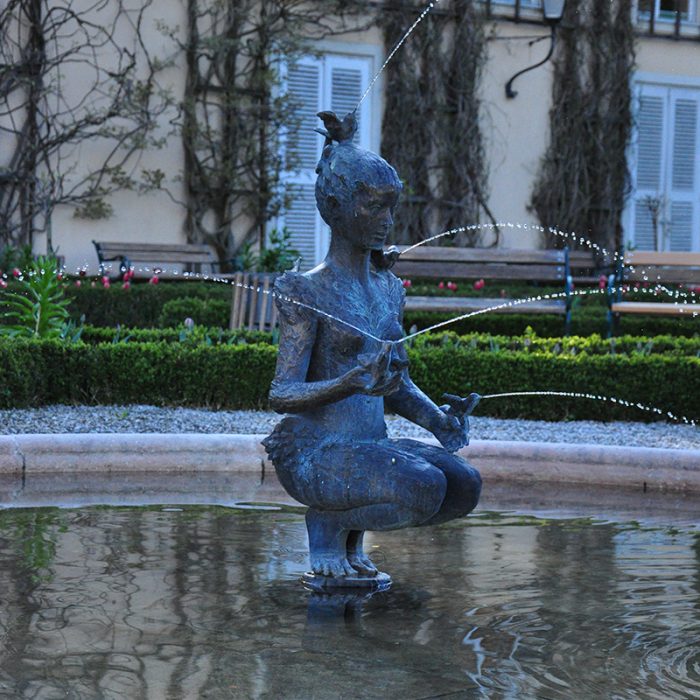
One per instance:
(150,419)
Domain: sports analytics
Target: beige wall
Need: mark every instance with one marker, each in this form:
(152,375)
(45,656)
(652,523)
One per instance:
(515,133)
(515,129)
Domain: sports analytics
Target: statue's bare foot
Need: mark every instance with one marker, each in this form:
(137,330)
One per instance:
(359,561)
(328,565)
(327,544)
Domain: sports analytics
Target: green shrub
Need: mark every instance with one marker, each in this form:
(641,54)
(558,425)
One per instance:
(213,313)
(36,305)
(140,306)
(199,335)
(38,372)
(585,321)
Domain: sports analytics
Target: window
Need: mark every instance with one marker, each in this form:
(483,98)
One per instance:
(332,82)
(667,9)
(664,209)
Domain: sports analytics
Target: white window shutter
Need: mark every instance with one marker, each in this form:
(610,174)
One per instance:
(683,186)
(648,168)
(332,82)
(304,82)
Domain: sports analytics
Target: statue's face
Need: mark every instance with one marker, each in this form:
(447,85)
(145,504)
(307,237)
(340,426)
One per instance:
(372,217)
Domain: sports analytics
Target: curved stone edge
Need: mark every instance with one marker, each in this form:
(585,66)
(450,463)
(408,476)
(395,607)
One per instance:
(653,468)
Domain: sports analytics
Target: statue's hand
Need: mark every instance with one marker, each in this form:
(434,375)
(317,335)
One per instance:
(377,375)
(451,431)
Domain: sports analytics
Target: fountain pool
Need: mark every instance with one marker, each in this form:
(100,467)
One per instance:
(203,601)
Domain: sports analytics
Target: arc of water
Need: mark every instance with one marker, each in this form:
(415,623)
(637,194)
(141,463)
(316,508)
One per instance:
(596,397)
(408,33)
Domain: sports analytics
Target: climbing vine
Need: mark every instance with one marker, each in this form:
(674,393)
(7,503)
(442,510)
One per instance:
(234,111)
(583,177)
(431,130)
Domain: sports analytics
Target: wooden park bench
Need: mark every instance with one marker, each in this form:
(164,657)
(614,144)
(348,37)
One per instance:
(252,305)
(639,267)
(445,263)
(191,257)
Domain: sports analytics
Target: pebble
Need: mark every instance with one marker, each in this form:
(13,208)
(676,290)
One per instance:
(153,419)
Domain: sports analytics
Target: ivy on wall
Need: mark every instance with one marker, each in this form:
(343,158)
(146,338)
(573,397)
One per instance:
(431,132)
(583,177)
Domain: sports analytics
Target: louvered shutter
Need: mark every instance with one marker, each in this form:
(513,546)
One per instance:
(649,162)
(304,83)
(683,189)
(666,169)
(332,82)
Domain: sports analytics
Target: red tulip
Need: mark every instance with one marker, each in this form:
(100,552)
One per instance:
(441,285)
(105,281)
(126,285)
(407,283)
(479,284)
(153,280)
(3,284)
(106,284)
(16,272)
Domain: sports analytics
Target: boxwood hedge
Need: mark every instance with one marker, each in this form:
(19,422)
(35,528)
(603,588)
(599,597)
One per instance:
(34,373)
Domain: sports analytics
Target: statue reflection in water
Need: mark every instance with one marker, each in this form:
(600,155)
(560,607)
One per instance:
(332,452)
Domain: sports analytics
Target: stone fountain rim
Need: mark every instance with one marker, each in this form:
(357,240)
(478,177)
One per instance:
(650,468)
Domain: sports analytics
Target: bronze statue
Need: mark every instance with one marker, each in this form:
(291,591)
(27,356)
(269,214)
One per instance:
(332,453)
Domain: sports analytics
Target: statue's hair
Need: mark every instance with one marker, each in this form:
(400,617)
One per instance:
(344,168)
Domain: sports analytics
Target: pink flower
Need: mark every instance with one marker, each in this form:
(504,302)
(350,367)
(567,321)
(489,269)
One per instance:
(479,284)
(452,286)
(78,283)
(406,283)
(126,285)
(59,277)
(603,281)
(153,280)
(105,282)
(3,284)
(441,285)
(16,272)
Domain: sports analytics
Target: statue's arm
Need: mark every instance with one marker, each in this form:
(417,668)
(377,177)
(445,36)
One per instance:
(290,392)
(410,402)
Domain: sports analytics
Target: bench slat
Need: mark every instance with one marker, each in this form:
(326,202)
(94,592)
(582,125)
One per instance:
(656,309)
(480,255)
(462,270)
(649,257)
(662,274)
(461,305)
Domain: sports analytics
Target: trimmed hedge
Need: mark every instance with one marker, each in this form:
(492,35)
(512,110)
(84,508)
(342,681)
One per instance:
(584,321)
(142,306)
(34,373)
(204,312)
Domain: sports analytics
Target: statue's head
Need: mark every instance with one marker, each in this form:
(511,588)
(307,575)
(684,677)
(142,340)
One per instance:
(356,190)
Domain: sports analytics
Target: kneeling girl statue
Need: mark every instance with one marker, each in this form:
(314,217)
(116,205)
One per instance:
(336,379)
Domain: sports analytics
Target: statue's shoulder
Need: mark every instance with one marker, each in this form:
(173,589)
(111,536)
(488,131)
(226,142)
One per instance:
(393,286)
(294,293)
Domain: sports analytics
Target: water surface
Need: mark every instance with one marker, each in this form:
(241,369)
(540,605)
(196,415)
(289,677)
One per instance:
(204,602)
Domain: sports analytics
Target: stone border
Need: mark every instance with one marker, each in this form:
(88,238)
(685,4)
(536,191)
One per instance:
(105,453)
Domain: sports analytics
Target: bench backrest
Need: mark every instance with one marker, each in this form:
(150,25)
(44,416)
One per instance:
(493,263)
(254,308)
(180,254)
(642,265)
